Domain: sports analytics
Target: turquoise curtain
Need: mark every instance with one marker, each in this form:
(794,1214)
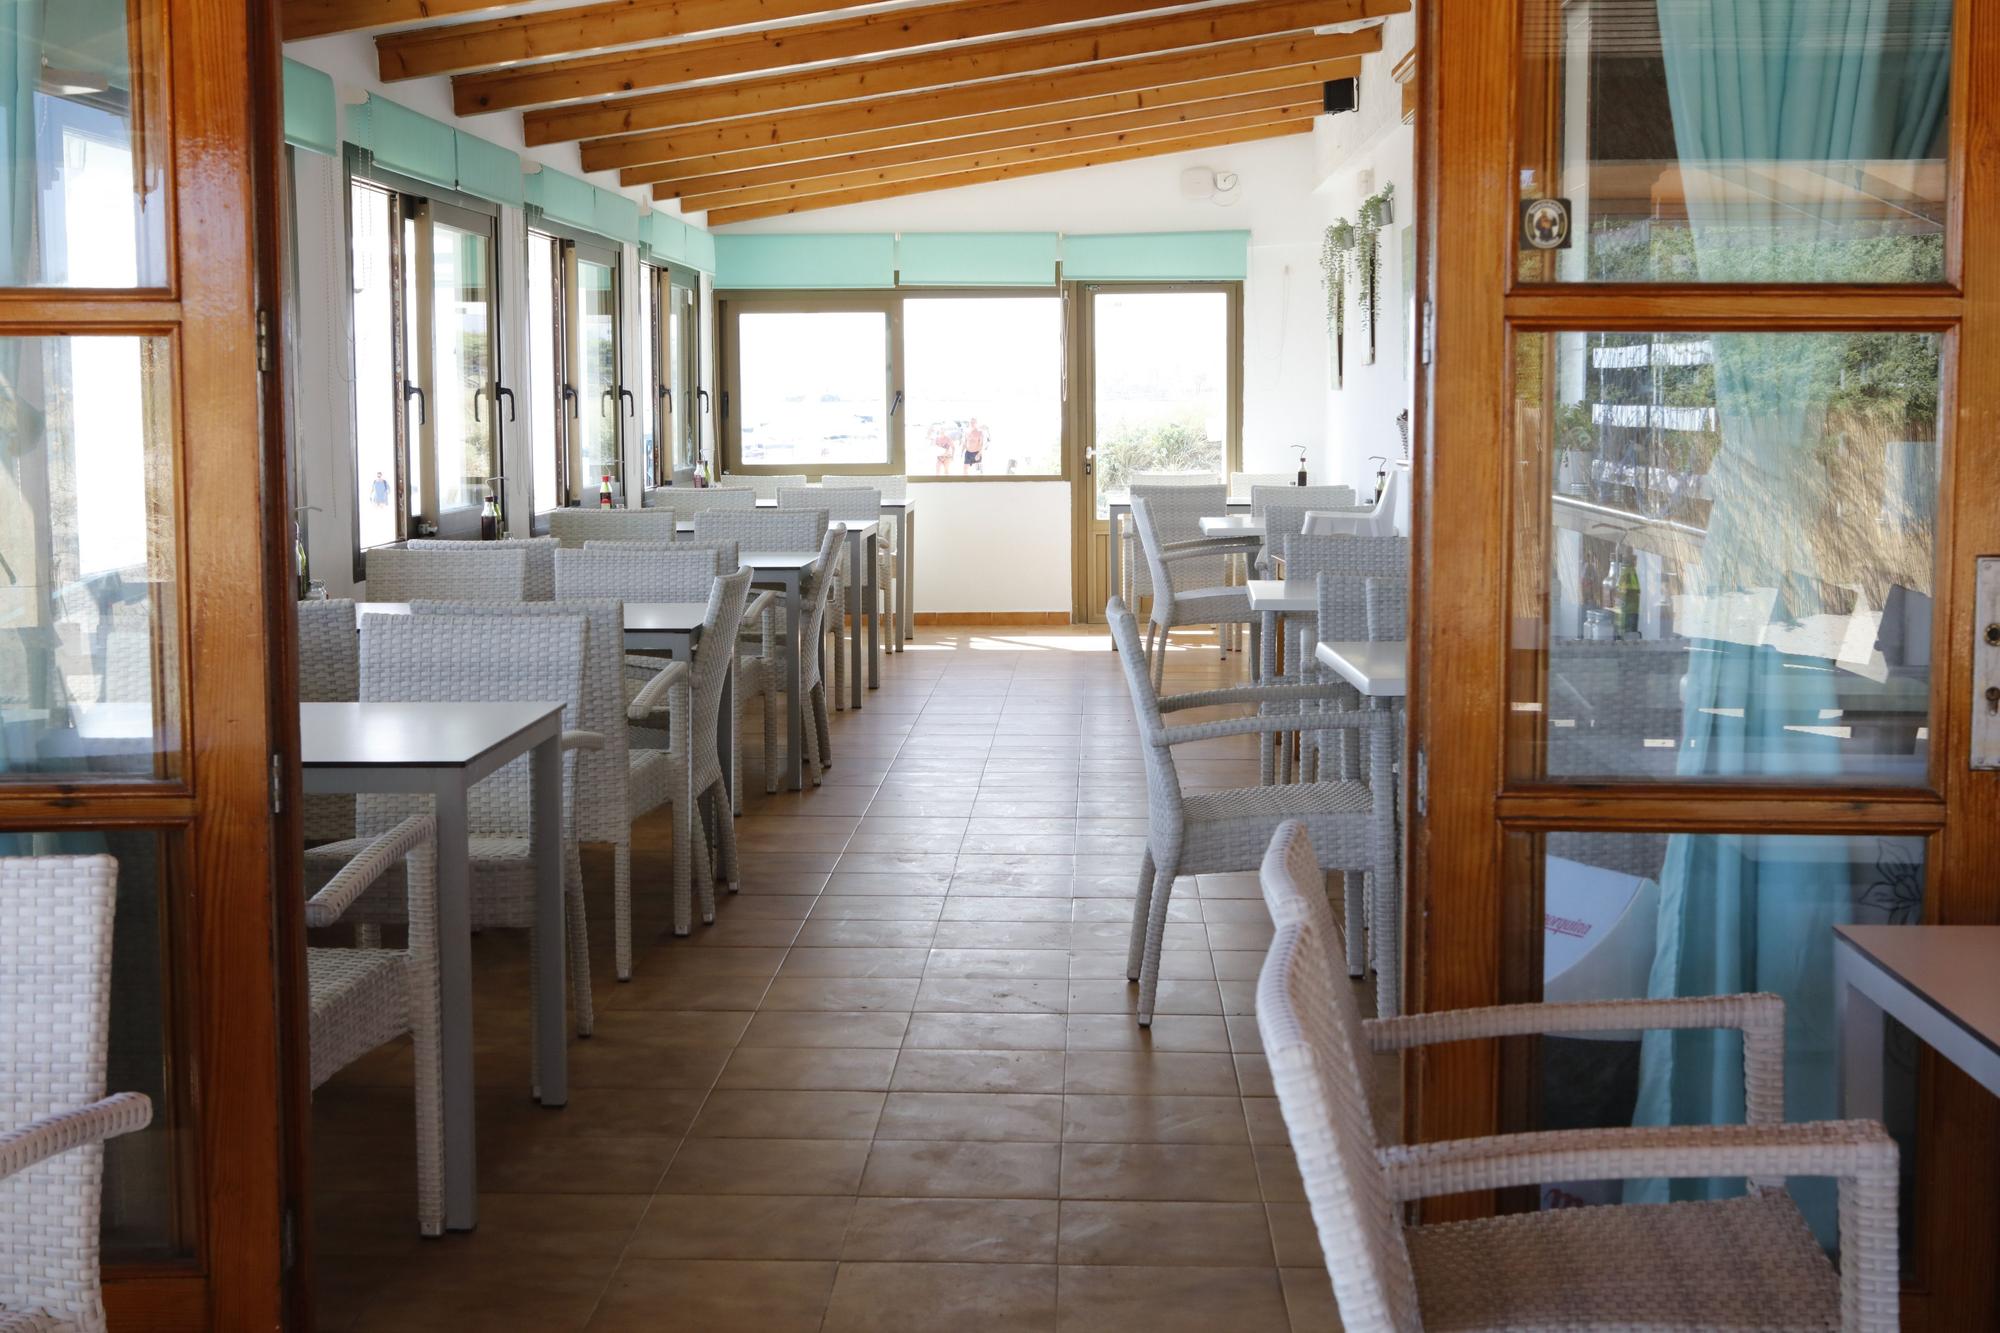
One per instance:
(488,171)
(563,198)
(701,249)
(977,258)
(666,237)
(309,113)
(1164,256)
(813,261)
(410,144)
(1815,89)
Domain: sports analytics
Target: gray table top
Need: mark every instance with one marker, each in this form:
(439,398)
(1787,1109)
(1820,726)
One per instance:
(1379,669)
(778,560)
(411,735)
(649,616)
(1282,594)
(1952,968)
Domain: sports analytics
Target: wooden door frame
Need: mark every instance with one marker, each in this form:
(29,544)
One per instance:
(1458,912)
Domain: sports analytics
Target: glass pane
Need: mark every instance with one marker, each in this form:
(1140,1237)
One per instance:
(813,388)
(687,376)
(1740,549)
(143,1216)
(1162,384)
(462,330)
(1806,143)
(414,409)
(649,405)
(597,372)
(985,385)
(88,638)
(544,399)
(377,391)
(1629,915)
(86,193)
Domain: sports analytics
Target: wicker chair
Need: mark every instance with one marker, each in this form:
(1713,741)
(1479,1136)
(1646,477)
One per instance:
(574,527)
(1353,823)
(1741,1263)
(852,504)
(472,572)
(329,672)
(763,529)
(765,486)
(1388,609)
(888,540)
(1194,592)
(689,502)
(55,1023)
(530,657)
(812,677)
(1248,483)
(364,998)
(541,559)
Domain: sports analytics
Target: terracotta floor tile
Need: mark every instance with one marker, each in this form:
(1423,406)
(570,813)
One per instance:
(1008,1231)
(972,1116)
(1128,1119)
(715,1294)
(1151,1073)
(838,1068)
(1170,1300)
(923,1298)
(979,1071)
(763,1113)
(1175,1172)
(1122,1232)
(987,1032)
(827,1029)
(841,994)
(742,1226)
(767,1166)
(963,1170)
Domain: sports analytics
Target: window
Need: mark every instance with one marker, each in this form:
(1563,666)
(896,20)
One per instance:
(651,402)
(1165,382)
(812,386)
(579,398)
(679,349)
(985,384)
(424,293)
(546,407)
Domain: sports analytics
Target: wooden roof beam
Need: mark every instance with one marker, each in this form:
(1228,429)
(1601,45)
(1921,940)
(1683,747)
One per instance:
(960,65)
(1003,103)
(740,54)
(943,164)
(724,216)
(320,18)
(486,43)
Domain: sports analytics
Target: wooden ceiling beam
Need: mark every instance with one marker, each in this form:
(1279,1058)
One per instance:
(738,55)
(1004,103)
(553,33)
(992,60)
(1111,113)
(722,217)
(299,19)
(953,164)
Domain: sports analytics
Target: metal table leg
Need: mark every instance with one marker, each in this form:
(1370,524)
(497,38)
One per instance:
(552,1014)
(794,661)
(874,551)
(454,870)
(854,591)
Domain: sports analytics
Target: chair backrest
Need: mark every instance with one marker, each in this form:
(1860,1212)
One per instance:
(786,530)
(1176,512)
(1388,608)
(680,572)
(892,487)
(1389,515)
(765,486)
(1173,479)
(1303,497)
(1319,1054)
(725,552)
(1343,606)
(470,572)
(329,673)
(574,527)
(852,504)
(1163,783)
(470,659)
(55,1015)
(690,501)
(713,657)
(541,560)
(1243,484)
(1366,557)
(832,545)
(603,776)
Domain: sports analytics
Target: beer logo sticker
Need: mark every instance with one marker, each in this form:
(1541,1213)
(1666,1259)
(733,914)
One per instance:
(1545,224)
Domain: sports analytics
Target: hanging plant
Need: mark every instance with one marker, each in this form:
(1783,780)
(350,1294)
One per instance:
(1377,212)
(1333,258)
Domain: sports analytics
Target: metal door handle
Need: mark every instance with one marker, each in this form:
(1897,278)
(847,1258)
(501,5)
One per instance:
(502,391)
(569,396)
(423,411)
(630,401)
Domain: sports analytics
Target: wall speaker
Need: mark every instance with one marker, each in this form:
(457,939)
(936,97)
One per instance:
(1341,95)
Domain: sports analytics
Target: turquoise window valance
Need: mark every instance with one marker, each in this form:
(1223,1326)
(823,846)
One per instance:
(977,258)
(405,142)
(1163,256)
(309,118)
(789,263)
(489,171)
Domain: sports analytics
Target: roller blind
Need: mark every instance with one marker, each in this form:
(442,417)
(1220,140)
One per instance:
(488,170)
(701,250)
(1162,256)
(665,237)
(977,258)
(563,199)
(404,142)
(792,263)
(616,216)
(309,120)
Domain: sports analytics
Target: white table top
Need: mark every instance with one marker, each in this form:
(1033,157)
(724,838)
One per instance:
(1233,525)
(778,560)
(1285,595)
(862,525)
(1123,500)
(411,735)
(673,617)
(1378,669)
(1950,967)
(905,504)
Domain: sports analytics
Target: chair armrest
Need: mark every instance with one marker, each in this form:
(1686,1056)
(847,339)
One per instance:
(583,740)
(1275,722)
(760,601)
(1210,547)
(39,1140)
(1251,694)
(367,865)
(1850,1149)
(653,691)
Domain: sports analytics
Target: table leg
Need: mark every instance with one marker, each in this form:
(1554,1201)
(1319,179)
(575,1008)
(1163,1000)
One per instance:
(552,1017)
(1859,1022)
(874,606)
(725,740)
(855,588)
(461,1155)
(1114,565)
(795,705)
(906,537)
(1265,661)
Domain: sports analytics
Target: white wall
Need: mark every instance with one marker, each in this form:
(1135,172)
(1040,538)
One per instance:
(1350,150)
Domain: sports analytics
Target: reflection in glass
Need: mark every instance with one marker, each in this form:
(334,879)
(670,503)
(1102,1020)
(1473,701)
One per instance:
(685,354)
(377,395)
(1740,556)
(544,398)
(812,384)
(142,1216)
(462,328)
(596,372)
(85,193)
(1804,143)
(650,401)
(87,547)
(1630,915)
(985,384)
(1162,384)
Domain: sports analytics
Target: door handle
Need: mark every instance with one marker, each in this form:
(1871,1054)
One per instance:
(667,395)
(604,403)
(701,396)
(502,391)
(630,402)
(569,396)
(413,391)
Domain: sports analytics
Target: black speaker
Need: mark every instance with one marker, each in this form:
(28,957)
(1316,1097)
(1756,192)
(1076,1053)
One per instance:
(1341,95)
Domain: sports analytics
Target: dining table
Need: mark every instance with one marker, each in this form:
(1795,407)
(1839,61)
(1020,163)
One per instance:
(1378,668)
(902,512)
(1937,981)
(1117,508)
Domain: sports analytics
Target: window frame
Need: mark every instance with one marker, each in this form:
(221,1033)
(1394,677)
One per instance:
(730,308)
(675,316)
(571,245)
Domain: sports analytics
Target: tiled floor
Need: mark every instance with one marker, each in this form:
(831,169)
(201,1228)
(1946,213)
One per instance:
(897,1084)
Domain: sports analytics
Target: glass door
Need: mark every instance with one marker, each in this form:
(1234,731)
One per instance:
(463,428)
(595,410)
(684,369)
(1693,641)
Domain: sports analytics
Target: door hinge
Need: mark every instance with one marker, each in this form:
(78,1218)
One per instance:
(264,341)
(1430,332)
(1423,784)
(277,785)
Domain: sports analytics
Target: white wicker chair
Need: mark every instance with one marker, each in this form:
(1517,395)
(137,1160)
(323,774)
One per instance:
(329,672)
(851,504)
(1349,558)
(765,486)
(1187,575)
(55,1020)
(1741,1263)
(531,657)
(1388,609)
(360,999)
(541,559)
(471,572)
(888,537)
(1353,823)
(812,680)
(689,501)
(763,529)
(574,527)
(1246,484)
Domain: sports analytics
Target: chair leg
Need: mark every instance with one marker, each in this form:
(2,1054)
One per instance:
(725,839)
(1156,934)
(770,739)
(1141,908)
(1353,899)
(704,869)
(815,703)
(425,1022)
(683,863)
(1159,663)
(621,906)
(576,937)
(736,755)
(820,721)
(837,617)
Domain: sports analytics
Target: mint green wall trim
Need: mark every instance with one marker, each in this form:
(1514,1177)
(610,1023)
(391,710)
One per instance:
(822,261)
(309,119)
(977,258)
(410,144)
(489,171)
(1165,256)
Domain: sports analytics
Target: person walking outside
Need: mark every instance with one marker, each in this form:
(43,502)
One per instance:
(975,446)
(378,491)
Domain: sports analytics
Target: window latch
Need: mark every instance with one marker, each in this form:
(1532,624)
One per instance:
(569,396)
(667,397)
(414,391)
(701,396)
(895,402)
(631,409)
(502,391)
